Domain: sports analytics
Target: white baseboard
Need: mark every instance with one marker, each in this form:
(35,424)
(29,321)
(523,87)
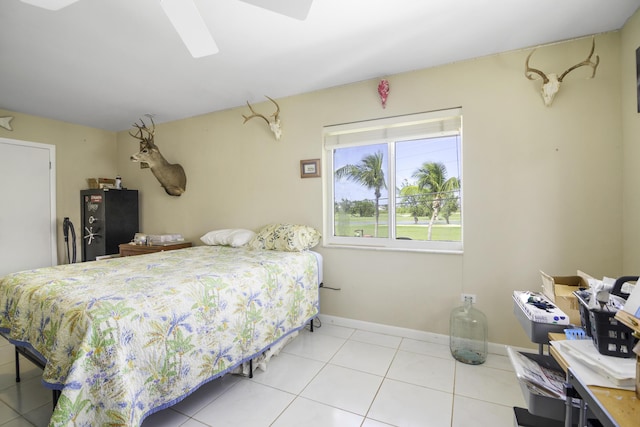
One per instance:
(415,334)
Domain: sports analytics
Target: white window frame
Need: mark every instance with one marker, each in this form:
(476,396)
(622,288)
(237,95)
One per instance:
(388,131)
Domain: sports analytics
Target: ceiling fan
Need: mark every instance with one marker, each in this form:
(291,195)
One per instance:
(188,22)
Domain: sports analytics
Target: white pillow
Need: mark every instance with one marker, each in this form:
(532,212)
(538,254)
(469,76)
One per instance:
(215,237)
(234,237)
(240,237)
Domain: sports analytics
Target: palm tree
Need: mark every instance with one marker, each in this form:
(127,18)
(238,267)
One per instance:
(368,173)
(432,177)
(414,199)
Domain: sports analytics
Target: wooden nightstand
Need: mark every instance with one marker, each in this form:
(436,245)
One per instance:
(128,249)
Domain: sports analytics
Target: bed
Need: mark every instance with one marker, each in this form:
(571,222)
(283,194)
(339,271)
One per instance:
(123,338)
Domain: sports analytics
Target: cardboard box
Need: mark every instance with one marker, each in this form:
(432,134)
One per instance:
(559,289)
(95,183)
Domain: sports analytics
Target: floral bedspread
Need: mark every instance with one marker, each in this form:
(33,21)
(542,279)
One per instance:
(125,337)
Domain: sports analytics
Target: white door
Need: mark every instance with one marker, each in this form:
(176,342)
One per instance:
(27,206)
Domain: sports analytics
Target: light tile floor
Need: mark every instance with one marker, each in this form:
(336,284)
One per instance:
(334,376)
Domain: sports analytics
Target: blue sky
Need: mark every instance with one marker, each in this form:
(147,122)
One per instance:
(410,155)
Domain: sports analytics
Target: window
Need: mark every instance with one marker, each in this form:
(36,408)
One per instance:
(395,183)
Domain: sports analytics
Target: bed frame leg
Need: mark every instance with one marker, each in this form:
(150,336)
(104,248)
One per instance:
(56,393)
(250,368)
(17,365)
(311,324)
(56,396)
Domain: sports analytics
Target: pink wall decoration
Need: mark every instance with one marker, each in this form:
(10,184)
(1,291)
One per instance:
(383,91)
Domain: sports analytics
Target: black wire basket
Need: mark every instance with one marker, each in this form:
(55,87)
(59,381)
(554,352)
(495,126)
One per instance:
(610,337)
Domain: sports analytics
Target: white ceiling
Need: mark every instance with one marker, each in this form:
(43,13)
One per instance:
(106,63)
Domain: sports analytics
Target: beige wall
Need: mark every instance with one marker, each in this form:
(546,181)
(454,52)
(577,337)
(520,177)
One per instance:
(542,185)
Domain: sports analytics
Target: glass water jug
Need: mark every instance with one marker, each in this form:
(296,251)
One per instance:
(468,334)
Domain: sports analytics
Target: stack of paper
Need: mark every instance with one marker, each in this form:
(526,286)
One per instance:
(595,368)
(544,381)
(164,239)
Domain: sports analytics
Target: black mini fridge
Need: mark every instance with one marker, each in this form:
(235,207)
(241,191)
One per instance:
(109,218)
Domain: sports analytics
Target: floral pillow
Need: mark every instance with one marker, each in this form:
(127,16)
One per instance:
(286,237)
(234,237)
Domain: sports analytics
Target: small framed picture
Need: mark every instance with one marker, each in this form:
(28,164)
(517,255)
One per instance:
(310,168)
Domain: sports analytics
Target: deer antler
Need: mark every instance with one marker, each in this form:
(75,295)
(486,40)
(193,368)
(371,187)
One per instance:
(551,82)
(247,118)
(277,113)
(143,128)
(273,125)
(274,115)
(528,70)
(587,61)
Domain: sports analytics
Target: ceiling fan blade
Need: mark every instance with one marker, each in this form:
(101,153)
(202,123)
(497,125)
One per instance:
(298,9)
(50,4)
(190,26)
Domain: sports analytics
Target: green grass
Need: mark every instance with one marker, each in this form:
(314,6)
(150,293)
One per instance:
(348,225)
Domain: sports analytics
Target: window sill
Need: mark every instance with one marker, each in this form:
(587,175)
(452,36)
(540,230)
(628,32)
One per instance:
(393,249)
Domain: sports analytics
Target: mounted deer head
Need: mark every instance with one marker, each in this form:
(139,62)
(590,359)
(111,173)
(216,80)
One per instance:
(273,125)
(171,176)
(551,82)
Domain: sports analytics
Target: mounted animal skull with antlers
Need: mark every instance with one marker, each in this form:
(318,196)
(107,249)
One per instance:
(171,176)
(551,82)
(274,124)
